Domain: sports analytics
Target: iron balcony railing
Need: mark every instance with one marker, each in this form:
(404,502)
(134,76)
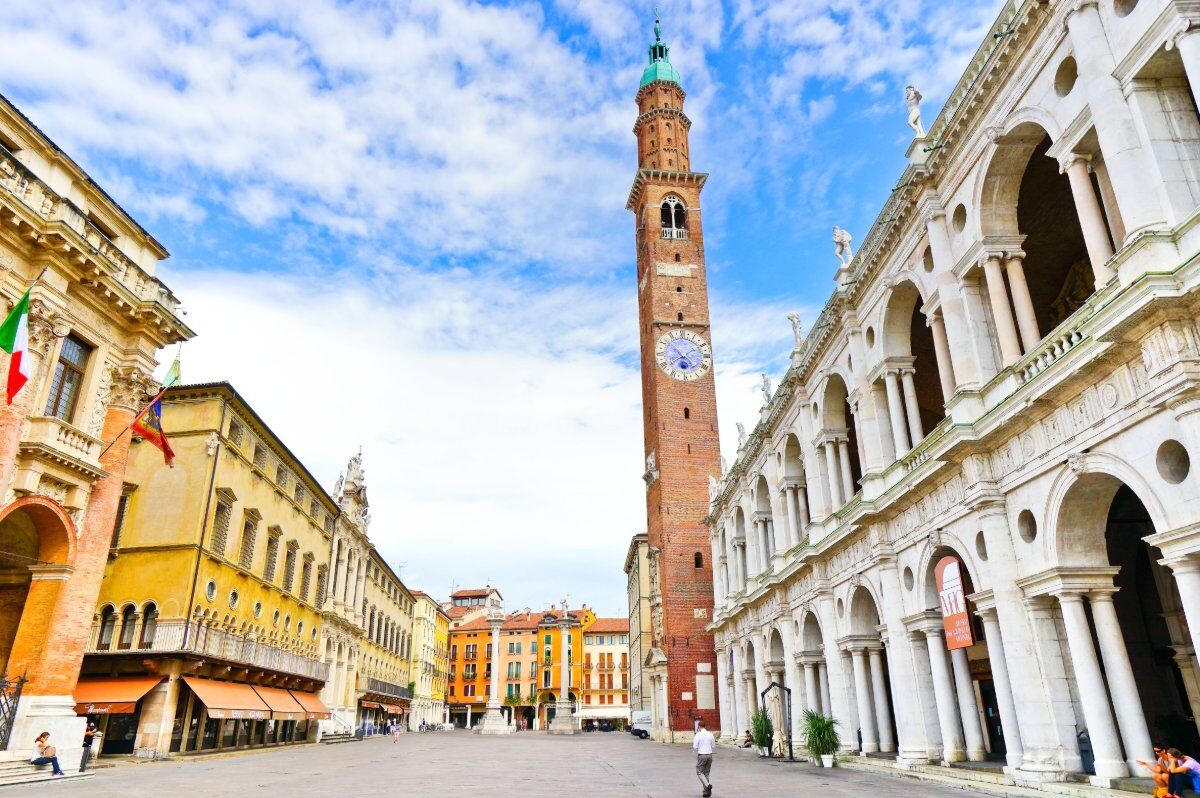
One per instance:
(372,685)
(674,232)
(189,637)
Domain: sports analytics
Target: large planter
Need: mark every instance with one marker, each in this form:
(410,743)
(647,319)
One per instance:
(827,760)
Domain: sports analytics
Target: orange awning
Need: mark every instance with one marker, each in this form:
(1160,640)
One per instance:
(228,699)
(372,705)
(114,695)
(283,706)
(395,710)
(312,703)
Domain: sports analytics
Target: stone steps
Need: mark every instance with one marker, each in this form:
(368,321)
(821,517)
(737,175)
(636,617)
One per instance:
(987,781)
(11,776)
(334,739)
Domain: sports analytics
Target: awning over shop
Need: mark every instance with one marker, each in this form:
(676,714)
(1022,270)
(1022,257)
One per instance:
(395,710)
(371,705)
(283,706)
(228,699)
(112,695)
(312,703)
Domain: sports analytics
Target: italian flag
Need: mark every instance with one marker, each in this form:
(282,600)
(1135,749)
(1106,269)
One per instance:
(14,339)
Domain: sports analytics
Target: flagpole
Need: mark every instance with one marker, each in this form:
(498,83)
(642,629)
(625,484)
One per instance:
(149,404)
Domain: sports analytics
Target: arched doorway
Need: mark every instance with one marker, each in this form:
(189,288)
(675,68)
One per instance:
(872,694)
(841,443)
(971,724)
(912,380)
(36,536)
(776,705)
(1131,638)
(812,660)
(764,523)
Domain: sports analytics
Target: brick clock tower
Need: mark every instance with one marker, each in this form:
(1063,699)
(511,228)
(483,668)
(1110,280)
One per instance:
(678,400)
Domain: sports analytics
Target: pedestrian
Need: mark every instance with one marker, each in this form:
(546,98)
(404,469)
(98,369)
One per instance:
(44,753)
(88,738)
(395,733)
(703,744)
(1183,773)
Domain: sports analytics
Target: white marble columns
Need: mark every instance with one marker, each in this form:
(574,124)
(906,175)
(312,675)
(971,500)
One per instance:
(1006,328)
(862,696)
(493,722)
(949,721)
(1091,216)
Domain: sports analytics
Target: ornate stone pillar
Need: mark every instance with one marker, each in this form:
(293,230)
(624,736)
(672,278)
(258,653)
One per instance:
(862,696)
(564,711)
(953,746)
(883,719)
(848,491)
(793,515)
(812,693)
(1006,329)
(941,350)
(823,680)
(335,562)
(1092,692)
(1188,43)
(725,705)
(1022,302)
(42,323)
(997,657)
(741,718)
(1122,686)
(891,382)
(1091,217)
(968,708)
(833,471)
(913,410)
(493,722)
(1116,129)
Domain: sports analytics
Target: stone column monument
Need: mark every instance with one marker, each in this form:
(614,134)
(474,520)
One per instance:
(493,722)
(564,712)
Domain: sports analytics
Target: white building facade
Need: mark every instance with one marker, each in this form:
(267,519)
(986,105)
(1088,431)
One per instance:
(1008,372)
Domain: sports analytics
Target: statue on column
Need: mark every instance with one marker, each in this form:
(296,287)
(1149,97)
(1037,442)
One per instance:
(741,428)
(712,487)
(913,98)
(797,329)
(766,389)
(841,246)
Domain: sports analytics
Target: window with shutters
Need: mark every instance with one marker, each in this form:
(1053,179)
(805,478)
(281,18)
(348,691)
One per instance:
(273,537)
(220,530)
(306,576)
(68,378)
(249,535)
(322,579)
(235,433)
(299,494)
(260,456)
(289,565)
(329,524)
(122,508)
(281,477)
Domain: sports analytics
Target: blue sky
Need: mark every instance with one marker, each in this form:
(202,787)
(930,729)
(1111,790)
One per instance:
(402,225)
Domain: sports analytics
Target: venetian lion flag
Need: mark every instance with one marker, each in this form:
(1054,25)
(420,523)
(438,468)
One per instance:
(148,424)
(14,339)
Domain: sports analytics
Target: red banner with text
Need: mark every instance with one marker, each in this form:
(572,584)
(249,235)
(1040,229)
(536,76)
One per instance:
(953,601)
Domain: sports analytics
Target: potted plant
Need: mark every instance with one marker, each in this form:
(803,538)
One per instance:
(762,732)
(822,737)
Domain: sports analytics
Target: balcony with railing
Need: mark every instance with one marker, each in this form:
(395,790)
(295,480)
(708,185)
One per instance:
(195,639)
(678,233)
(369,684)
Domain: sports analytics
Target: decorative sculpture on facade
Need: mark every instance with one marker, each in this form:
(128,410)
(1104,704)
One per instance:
(766,389)
(841,246)
(797,330)
(912,98)
(741,428)
(712,488)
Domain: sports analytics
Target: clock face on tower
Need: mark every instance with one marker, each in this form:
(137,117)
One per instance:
(683,355)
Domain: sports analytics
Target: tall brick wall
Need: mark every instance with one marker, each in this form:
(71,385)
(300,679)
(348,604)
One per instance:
(680,417)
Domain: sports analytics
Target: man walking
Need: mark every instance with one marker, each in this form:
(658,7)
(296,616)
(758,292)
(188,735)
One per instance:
(703,744)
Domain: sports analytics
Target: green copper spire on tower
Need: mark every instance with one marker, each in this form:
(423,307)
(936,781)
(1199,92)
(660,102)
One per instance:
(660,66)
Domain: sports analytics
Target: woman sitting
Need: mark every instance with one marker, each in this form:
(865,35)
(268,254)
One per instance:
(44,753)
(1183,772)
(1158,771)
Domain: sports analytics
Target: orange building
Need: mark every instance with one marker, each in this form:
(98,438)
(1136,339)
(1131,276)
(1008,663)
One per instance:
(606,673)
(530,657)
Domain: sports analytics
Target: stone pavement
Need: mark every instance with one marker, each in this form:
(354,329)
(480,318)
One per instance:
(530,765)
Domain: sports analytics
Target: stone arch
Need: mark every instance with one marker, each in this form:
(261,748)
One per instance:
(863,611)
(908,344)
(810,632)
(837,415)
(54,527)
(1079,498)
(793,457)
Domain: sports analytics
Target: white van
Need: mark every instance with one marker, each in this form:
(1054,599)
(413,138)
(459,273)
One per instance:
(639,723)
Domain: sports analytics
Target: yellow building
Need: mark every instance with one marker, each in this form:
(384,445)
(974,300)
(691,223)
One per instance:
(207,623)
(428,665)
(606,674)
(384,682)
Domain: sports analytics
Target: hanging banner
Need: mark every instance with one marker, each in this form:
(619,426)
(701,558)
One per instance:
(953,600)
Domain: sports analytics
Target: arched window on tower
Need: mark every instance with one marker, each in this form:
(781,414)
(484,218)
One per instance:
(674,218)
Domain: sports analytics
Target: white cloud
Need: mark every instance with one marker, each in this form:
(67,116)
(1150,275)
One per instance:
(501,422)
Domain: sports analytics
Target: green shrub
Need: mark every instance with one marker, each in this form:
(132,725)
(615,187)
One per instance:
(762,732)
(822,734)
